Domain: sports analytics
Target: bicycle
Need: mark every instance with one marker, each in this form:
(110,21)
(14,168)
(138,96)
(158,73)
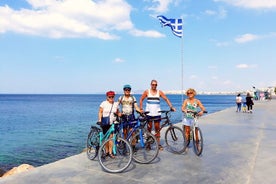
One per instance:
(195,135)
(96,144)
(144,144)
(174,137)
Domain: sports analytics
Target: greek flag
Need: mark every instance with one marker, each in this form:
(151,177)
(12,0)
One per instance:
(174,24)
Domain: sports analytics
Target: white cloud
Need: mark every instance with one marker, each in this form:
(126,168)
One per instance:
(221,13)
(242,66)
(222,44)
(246,38)
(210,12)
(251,4)
(59,58)
(245,66)
(193,76)
(71,18)
(160,6)
(119,60)
(219,44)
(227,82)
(149,33)
(214,77)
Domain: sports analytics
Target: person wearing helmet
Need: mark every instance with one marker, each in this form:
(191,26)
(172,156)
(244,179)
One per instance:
(153,107)
(106,116)
(128,104)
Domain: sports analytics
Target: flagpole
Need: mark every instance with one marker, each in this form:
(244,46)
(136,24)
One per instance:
(176,29)
(182,66)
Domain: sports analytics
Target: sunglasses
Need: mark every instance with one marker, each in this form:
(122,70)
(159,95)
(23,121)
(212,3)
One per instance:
(154,84)
(110,96)
(189,93)
(127,89)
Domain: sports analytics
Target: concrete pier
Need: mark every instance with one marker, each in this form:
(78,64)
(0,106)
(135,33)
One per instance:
(239,148)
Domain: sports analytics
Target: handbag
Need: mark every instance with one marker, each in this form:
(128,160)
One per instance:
(106,120)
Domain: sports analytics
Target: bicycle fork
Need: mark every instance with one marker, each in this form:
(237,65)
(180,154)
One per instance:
(194,134)
(141,139)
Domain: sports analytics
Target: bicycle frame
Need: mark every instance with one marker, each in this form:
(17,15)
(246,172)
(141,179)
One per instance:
(195,122)
(143,143)
(163,123)
(137,126)
(194,126)
(106,136)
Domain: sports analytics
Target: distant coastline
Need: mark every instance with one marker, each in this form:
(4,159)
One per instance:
(172,92)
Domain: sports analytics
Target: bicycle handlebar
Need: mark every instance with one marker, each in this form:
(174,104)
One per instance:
(196,113)
(143,114)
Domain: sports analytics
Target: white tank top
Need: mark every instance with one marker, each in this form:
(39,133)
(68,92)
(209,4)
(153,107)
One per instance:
(153,104)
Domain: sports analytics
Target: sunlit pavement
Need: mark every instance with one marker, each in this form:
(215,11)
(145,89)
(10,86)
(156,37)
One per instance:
(239,148)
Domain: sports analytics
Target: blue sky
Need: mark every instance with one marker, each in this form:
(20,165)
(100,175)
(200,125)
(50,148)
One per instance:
(85,46)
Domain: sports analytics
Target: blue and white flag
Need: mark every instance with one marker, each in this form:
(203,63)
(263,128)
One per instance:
(174,24)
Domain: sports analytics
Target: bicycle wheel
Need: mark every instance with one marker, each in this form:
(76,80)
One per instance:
(122,159)
(145,147)
(198,141)
(175,139)
(93,142)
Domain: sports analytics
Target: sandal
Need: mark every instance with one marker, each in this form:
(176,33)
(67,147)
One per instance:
(160,147)
(148,147)
(111,155)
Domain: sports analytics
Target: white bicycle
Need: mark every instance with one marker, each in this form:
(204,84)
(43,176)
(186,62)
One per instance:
(195,135)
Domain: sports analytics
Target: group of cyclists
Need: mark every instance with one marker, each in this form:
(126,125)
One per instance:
(127,104)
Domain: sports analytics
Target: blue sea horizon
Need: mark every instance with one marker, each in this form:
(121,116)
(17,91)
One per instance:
(42,128)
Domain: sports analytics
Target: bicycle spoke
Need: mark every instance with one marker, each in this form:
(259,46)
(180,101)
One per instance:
(174,139)
(198,141)
(145,148)
(120,158)
(92,143)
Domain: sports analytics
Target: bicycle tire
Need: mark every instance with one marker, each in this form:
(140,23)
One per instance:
(198,144)
(122,158)
(93,143)
(146,149)
(175,139)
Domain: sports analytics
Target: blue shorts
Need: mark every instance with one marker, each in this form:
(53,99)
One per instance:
(127,121)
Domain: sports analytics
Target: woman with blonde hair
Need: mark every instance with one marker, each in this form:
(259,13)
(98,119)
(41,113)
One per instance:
(189,106)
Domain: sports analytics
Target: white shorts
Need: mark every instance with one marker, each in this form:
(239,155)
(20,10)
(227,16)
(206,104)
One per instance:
(188,121)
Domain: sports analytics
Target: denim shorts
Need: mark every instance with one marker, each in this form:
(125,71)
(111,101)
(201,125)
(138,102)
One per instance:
(188,121)
(127,119)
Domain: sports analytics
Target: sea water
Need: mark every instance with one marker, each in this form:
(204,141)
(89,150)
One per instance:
(40,129)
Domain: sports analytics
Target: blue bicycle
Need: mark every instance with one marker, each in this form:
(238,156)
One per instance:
(97,144)
(144,144)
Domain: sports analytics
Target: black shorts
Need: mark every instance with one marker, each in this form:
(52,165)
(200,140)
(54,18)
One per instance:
(105,128)
(153,118)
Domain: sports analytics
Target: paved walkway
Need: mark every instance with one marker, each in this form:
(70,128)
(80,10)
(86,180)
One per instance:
(239,148)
